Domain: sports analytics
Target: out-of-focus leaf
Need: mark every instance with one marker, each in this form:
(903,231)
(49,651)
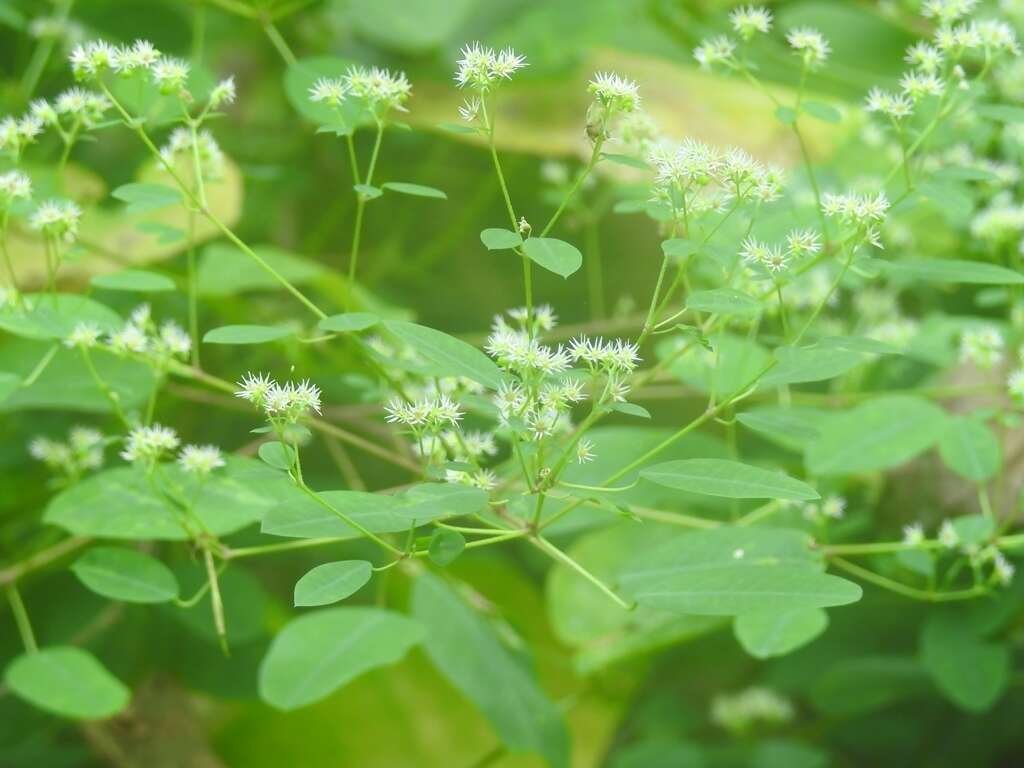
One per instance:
(730,479)
(496,239)
(416,190)
(554,255)
(971,671)
(409,26)
(225,271)
(134,280)
(246,334)
(448,356)
(764,634)
(126,574)
(970,449)
(68,682)
(331,582)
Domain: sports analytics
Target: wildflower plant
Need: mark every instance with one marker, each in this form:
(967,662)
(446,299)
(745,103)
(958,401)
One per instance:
(732,447)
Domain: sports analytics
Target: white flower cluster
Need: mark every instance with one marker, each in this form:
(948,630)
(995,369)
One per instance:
(697,177)
(57,219)
(773,258)
(83,450)
(1015,384)
(482,68)
(139,336)
(18,133)
(425,415)
(285,403)
(200,459)
(148,444)
(377,89)
(77,105)
(615,94)
(179,148)
(751,20)
(747,22)
(863,213)
(1000,222)
(810,45)
(14,185)
(982,346)
(738,712)
(832,507)
(949,539)
(484,479)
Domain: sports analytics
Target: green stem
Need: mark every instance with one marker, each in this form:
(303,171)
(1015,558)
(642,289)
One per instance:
(216,602)
(28,638)
(279,43)
(349,521)
(555,553)
(595,155)
(902,589)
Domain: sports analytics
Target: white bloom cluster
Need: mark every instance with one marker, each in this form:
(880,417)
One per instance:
(223,93)
(377,89)
(1000,222)
(83,450)
(285,403)
(738,712)
(424,415)
(149,443)
(895,106)
(484,479)
(913,535)
(616,94)
(982,346)
(697,177)
(773,258)
(200,459)
(832,507)
(18,133)
(93,59)
(179,148)
(57,219)
(751,20)
(1015,384)
(139,336)
(716,51)
(14,185)
(861,212)
(75,104)
(482,68)
(810,45)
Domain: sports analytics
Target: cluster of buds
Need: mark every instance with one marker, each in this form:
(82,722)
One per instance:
(982,346)
(377,90)
(83,450)
(283,404)
(694,177)
(980,556)
(741,711)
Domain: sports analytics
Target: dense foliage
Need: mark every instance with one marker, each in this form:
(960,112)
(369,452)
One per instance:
(732,479)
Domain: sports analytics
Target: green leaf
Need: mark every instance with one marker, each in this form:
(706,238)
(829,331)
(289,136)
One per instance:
(368,191)
(824,112)
(299,516)
(970,449)
(554,255)
(133,280)
(880,434)
(856,686)
(447,355)
(733,571)
(785,115)
(730,479)
(445,546)
(678,248)
(971,671)
(798,365)
(246,334)
(348,322)
(68,682)
(785,425)
(226,271)
(126,574)
(147,197)
(331,582)
(632,162)
(409,26)
(948,271)
(630,409)
(467,651)
(277,455)
(496,239)
(9,384)
(765,634)
(318,653)
(457,128)
(50,316)
(417,190)
(430,501)
(973,530)
(723,301)
(1001,113)
(120,503)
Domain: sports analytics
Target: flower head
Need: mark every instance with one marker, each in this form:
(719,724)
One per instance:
(616,94)
(170,74)
(982,346)
(223,93)
(378,88)
(148,444)
(93,59)
(483,68)
(810,45)
(200,459)
(14,185)
(84,335)
(57,219)
(750,20)
(715,50)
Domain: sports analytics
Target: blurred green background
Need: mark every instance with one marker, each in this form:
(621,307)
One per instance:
(193,707)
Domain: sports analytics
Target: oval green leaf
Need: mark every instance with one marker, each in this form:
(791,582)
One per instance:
(133,280)
(496,239)
(729,479)
(449,356)
(445,546)
(554,255)
(766,634)
(348,322)
(126,574)
(246,334)
(417,190)
(331,582)
(316,654)
(68,682)
(970,449)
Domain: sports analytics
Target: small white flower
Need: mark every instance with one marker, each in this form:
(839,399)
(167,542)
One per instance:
(330,91)
(92,59)
(982,346)
(140,55)
(84,335)
(893,105)
(200,459)
(584,451)
(14,185)
(803,242)
(750,20)
(715,50)
(925,57)
(255,387)
(174,338)
(810,45)
(833,507)
(948,536)
(223,93)
(378,87)
(947,11)
(913,535)
(149,443)
(170,74)
(131,338)
(43,111)
(616,94)
(1002,569)
(917,85)
(470,109)
(1015,384)
(482,68)
(57,219)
